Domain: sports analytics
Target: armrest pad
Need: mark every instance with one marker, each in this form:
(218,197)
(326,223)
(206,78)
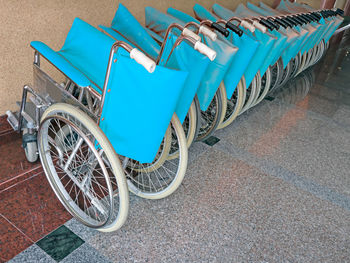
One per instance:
(61,63)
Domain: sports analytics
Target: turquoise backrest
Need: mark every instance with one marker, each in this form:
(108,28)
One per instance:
(293,42)
(223,47)
(265,43)
(126,24)
(272,41)
(221,66)
(246,49)
(139,107)
(88,50)
(184,57)
(215,71)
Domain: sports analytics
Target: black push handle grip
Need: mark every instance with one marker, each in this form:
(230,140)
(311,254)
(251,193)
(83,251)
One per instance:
(273,23)
(296,20)
(285,20)
(266,24)
(305,19)
(281,22)
(339,12)
(234,28)
(316,18)
(317,15)
(291,21)
(310,17)
(220,29)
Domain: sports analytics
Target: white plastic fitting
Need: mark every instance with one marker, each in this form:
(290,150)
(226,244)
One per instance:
(248,26)
(205,50)
(189,33)
(207,32)
(259,26)
(142,59)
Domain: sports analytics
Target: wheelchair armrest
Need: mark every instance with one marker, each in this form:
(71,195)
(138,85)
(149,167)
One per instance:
(61,64)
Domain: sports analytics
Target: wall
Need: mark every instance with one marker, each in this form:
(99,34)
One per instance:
(313,3)
(23,21)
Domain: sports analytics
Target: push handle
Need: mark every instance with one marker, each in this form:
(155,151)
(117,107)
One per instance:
(309,17)
(259,26)
(207,32)
(297,20)
(302,19)
(285,20)
(317,15)
(189,33)
(220,29)
(142,59)
(273,23)
(291,21)
(248,26)
(266,24)
(281,22)
(205,50)
(234,28)
(339,12)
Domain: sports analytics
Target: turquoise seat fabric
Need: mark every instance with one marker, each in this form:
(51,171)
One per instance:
(270,44)
(183,57)
(266,44)
(215,72)
(139,105)
(229,85)
(127,25)
(80,50)
(61,63)
(336,21)
(246,49)
(277,48)
(293,41)
(327,23)
(224,48)
(313,28)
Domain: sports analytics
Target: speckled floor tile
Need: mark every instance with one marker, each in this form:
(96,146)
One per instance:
(343,115)
(85,254)
(13,162)
(300,141)
(33,254)
(228,211)
(12,241)
(196,150)
(81,230)
(60,243)
(4,125)
(33,207)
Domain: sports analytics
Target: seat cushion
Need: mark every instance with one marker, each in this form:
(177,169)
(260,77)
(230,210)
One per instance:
(61,63)
(88,50)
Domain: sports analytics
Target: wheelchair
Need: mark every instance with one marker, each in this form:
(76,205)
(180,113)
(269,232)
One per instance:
(235,93)
(181,54)
(108,129)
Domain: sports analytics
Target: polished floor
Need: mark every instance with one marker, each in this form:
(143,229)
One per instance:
(272,187)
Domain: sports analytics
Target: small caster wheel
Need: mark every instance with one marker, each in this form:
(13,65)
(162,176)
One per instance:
(29,142)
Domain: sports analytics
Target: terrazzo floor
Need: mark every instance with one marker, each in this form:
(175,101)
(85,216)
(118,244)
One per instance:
(272,187)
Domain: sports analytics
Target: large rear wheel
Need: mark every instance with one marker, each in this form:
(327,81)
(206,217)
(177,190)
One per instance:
(234,105)
(150,183)
(82,168)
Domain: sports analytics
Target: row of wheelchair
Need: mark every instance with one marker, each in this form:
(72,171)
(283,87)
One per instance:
(136,97)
